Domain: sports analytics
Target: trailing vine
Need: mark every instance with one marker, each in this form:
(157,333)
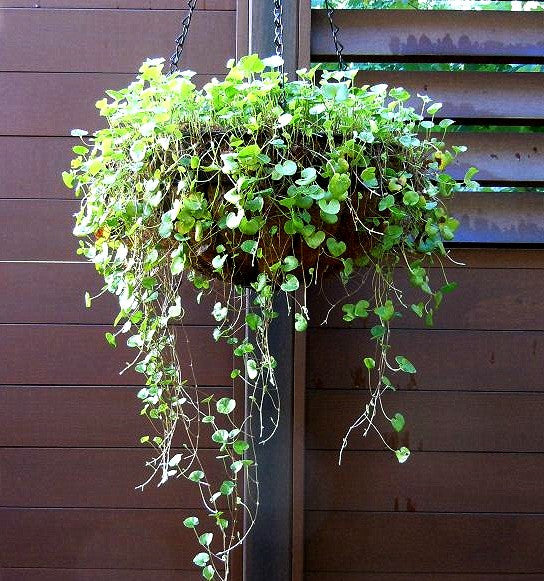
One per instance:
(251,184)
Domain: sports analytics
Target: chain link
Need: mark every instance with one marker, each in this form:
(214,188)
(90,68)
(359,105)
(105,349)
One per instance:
(180,40)
(278,41)
(338,46)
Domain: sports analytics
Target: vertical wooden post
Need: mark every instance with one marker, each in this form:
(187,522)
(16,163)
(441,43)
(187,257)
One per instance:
(274,550)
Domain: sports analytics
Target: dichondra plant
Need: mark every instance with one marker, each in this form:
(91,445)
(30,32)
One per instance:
(262,184)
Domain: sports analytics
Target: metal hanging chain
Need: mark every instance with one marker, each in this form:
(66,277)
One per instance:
(338,46)
(180,40)
(278,39)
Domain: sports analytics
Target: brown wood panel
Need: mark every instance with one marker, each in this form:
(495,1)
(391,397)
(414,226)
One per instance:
(439,482)
(516,158)
(435,421)
(420,543)
(111,40)
(515,296)
(498,257)
(446,360)
(79,354)
(28,574)
(469,95)
(120,4)
(37,104)
(38,230)
(94,478)
(419,35)
(53,293)
(31,167)
(321,576)
(499,218)
(75,416)
(54,104)
(97,538)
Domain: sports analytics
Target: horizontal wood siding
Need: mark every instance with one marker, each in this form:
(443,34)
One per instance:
(468,503)
(467,506)
(70,456)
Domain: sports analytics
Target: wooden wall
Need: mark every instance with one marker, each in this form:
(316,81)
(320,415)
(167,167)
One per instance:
(468,505)
(69,439)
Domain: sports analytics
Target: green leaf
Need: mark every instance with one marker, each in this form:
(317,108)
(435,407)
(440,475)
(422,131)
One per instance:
(227,488)
(410,198)
(220,436)
(284,119)
(378,331)
(138,150)
(360,309)
(110,338)
(252,369)
(177,265)
(226,405)
(402,454)
(317,109)
(405,365)
(434,108)
(205,539)
(249,227)
(336,248)
(208,573)
(307,176)
(201,559)
(339,185)
(240,447)
(88,300)
(273,62)
(469,182)
(234,219)
(368,175)
(397,421)
(315,239)
(196,476)
(386,311)
(287,168)
(249,246)
(253,321)
(448,288)
(290,284)
(290,263)
(330,207)
(301,324)
(386,202)
(68,179)
(191,522)
(369,363)
(418,309)
(218,261)
(78,133)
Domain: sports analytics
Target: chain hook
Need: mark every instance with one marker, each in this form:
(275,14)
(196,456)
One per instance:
(180,40)
(338,46)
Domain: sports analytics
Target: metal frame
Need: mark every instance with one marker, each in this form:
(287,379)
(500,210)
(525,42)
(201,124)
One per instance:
(274,550)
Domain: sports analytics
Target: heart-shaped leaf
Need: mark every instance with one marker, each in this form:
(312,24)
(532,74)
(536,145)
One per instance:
(315,239)
(226,405)
(336,248)
(397,421)
(301,324)
(402,454)
(290,283)
(330,207)
(406,365)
